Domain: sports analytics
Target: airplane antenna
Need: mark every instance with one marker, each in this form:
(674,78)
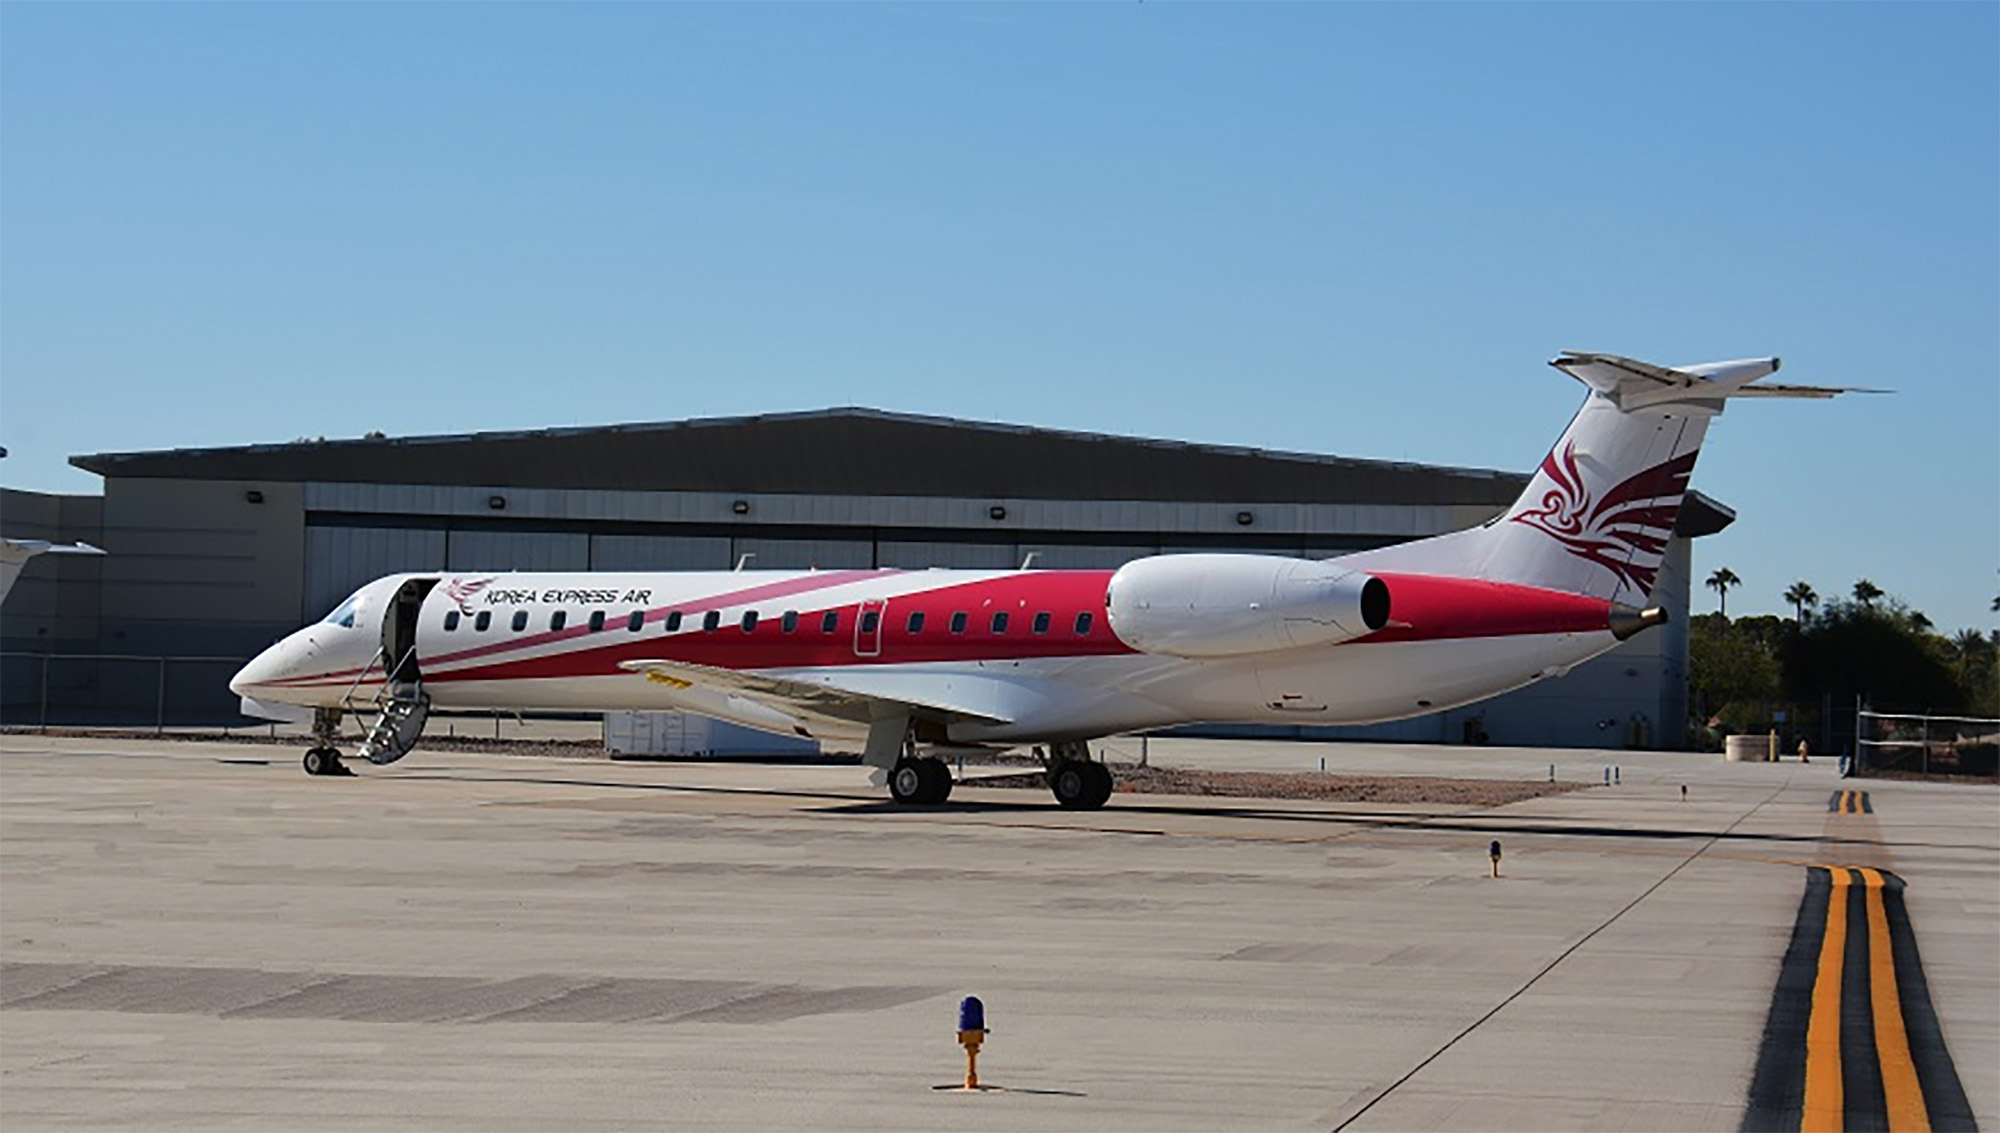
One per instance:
(744,559)
(1029,560)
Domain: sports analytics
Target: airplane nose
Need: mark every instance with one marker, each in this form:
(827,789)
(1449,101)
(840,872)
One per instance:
(260,670)
(274,664)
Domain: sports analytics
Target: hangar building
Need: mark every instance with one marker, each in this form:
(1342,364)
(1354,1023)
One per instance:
(214,553)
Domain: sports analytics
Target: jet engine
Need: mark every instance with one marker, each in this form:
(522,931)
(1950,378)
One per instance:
(1226,605)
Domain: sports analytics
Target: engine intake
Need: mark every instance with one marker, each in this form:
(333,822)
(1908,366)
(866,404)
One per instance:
(1226,605)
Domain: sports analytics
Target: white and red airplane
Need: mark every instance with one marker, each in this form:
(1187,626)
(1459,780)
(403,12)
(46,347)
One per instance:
(911,662)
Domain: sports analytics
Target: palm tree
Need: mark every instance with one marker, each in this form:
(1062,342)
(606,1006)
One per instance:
(1866,592)
(1800,596)
(1720,582)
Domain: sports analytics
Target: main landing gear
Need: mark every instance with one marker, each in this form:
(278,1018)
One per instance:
(920,781)
(1077,781)
(323,758)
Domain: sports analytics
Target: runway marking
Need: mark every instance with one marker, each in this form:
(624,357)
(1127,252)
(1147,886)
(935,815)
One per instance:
(1852,1039)
(1849,802)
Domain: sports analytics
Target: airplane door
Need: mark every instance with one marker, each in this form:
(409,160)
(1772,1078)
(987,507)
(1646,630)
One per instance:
(868,628)
(399,629)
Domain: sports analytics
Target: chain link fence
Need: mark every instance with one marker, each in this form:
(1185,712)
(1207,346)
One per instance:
(116,690)
(1926,745)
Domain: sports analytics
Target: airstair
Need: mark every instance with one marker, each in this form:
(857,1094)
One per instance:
(401,708)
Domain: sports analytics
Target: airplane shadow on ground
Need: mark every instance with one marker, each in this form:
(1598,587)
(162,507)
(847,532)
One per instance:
(1481,822)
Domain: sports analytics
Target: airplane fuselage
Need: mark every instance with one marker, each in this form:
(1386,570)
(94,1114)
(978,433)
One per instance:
(1018,654)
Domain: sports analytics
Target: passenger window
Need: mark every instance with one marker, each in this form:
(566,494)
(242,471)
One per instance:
(484,619)
(1042,622)
(790,621)
(749,620)
(869,620)
(674,622)
(450,620)
(958,621)
(558,620)
(916,622)
(1000,622)
(596,620)
(637,621)
(1083,623)
(829,621)
(520,620)
(711,620)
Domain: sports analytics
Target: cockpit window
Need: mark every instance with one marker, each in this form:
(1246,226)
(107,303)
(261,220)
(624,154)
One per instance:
(345,613)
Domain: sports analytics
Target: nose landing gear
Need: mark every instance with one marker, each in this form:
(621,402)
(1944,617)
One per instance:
(325,761)
(323,758)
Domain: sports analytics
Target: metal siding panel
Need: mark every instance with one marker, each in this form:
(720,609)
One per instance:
(803,554)
(659,552)
(918,555)
(518,550)
(339,560)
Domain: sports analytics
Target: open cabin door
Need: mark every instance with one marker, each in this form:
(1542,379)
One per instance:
(399,630)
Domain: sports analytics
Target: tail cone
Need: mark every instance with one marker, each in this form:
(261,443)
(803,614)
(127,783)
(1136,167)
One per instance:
(1626,621)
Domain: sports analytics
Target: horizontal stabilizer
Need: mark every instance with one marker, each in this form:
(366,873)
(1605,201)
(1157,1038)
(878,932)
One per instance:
(1631,384)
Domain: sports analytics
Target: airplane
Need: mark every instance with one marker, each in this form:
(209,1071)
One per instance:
(911,664)
(15,553)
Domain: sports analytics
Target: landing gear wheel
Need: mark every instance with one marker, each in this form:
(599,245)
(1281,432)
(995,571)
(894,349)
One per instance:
(324,761)
(1080,784)
(907,782)
(920,782)
(938,789)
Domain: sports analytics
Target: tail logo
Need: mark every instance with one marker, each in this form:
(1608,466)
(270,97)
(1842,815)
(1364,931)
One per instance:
(1625,531)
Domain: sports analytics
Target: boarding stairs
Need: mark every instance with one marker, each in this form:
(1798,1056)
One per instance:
(401,708)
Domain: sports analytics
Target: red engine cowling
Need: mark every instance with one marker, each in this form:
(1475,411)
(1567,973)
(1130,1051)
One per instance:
(1227,605)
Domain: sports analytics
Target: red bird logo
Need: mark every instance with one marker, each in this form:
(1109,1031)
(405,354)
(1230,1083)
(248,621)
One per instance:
(1626,531)
(462,591)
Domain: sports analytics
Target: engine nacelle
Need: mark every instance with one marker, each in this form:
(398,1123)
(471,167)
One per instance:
(1226,605)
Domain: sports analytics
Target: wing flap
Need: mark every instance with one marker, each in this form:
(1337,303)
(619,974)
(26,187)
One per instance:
(791,703)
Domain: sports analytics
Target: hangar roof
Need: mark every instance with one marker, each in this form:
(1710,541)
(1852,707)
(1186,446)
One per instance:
(848,451)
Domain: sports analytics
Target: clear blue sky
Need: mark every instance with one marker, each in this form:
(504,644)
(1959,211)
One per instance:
(1348,228)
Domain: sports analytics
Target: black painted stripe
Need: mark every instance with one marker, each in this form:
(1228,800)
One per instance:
(1778,1087)
(1835,801)
(1867,804)
(1944,1095)
(1866,1107)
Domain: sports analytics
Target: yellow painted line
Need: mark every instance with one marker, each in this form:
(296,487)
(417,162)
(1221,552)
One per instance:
(1825,1097)
(1900,1089)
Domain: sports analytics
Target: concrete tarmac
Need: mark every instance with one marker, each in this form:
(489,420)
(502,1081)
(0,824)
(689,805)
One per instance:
(198,936)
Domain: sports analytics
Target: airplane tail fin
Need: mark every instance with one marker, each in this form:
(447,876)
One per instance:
(1597,515)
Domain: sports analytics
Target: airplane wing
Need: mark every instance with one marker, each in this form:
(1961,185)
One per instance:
(799,705)
(15,553)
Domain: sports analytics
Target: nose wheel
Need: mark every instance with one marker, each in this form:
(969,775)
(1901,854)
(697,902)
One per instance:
(324,761)
(322,758)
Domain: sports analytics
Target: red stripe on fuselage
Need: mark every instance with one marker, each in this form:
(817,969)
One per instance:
(1429,607)
(1062,595)
(655,615)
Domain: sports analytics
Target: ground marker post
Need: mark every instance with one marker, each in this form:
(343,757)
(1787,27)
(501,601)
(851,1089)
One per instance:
(1618,776)
(971,1033)
(1607,776)
(1493,853)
